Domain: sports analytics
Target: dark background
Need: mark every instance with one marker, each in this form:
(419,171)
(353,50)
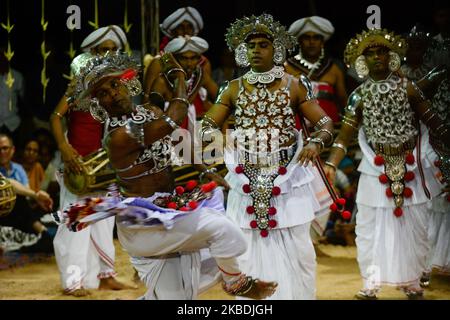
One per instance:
(348,18)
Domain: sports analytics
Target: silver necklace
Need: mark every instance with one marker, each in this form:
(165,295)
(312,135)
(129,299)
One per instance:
(252,77)
(311,66)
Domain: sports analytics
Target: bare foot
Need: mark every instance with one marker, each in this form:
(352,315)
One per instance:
(261,290)
(112,284)
(248,287)
(82,292)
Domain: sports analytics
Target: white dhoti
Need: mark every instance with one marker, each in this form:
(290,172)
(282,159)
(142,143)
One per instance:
(83,257)
(439,233)
(287,254)
(392,250)
(178,277)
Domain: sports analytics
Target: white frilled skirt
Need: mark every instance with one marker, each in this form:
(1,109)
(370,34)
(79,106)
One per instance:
(393,250)
(286,255)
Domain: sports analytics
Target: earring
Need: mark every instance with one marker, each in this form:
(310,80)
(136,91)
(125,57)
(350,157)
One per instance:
(361,67)
(97,111)
(134,86)
(279,53)
(240,55)
(394,61)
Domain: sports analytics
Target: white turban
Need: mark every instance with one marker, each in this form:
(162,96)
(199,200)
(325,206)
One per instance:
(175,19)
(186,43)
(314,24)
(100,35)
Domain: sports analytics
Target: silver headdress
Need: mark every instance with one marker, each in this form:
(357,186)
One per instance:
(241,29)
(113,64)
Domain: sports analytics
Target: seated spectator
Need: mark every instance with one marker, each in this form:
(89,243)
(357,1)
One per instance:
(32,166)
(23,219)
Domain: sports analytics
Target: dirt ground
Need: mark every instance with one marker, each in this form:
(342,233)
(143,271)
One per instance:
(337,278)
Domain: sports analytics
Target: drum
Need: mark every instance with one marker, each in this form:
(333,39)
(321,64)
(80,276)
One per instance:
(7,196)
(96,174)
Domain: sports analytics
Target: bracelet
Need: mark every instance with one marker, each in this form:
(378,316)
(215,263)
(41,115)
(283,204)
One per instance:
(202,174)
(340,146)
(186,101)
(419,91)
(175,70)
(317,140)
(171,123)
(329,133)
(321,122)
(58,114)
(349,124)
(331,164)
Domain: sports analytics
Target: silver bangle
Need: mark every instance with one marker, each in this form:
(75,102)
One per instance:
(171,123)
(174,70)
(419,91)
(331,164)
(202,174)
(340,146)
(329,133)
(186,101)
(317,140)
(321,122)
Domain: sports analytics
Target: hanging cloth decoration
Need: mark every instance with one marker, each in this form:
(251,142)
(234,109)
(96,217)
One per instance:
(127,27)
(94,23)
(45,54)
(9,55)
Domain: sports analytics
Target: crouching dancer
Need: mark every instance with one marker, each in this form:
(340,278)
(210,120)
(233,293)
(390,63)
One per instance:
(139,146)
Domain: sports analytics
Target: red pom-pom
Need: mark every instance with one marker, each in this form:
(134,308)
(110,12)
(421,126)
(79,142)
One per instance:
(398,212)
(272,223)
(208,187)
(264,233)
(378,160)
(276,191)
(172,205)
(282,170)
(250,209)
(437,163)
(383,178)
(389,193)
(239,169)
(246,188)
(193,205)
(179,190)
(409,176)
(408,192)
(346,215)
(191,184)
(333,207)
(272,211)
(410,159)
(253,224)
(184,209)
(341,201)
(128,74)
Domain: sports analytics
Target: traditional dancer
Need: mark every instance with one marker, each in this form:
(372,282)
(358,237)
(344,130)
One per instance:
(326,76)
(184,22)
(139,147)
(89,254)
(396,182)
(273,197)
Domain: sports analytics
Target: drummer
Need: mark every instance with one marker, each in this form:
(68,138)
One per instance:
(85,259)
